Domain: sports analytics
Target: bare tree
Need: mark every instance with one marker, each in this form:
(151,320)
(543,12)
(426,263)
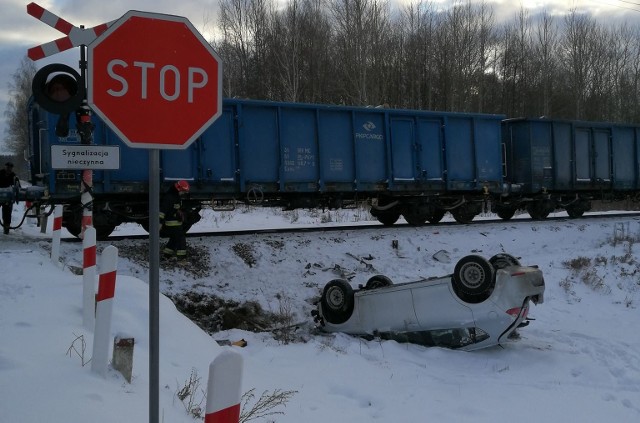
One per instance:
(486,44)
(629,81)
(415,37)
(286,44)
(577,55)
(17,131)
(359,27)
(461,54)
(515,65)
(545,51)
(299,44)
(361,52)
(238,44)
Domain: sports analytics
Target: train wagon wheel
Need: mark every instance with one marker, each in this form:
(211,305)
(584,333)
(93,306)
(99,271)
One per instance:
(103,231)
(73,222)
(337,301)
(537,210)
(388,219)
(145,224)
(505,213)
(463,215)
(414,219)
(574,212)
(436,216)
(74,228)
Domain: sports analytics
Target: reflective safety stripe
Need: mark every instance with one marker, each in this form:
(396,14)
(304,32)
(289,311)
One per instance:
(168,251)
(172,223)
(180,253)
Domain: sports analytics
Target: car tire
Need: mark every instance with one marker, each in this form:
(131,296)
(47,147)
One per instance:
(473,276)
(502,260)
(378,281)
(337,301)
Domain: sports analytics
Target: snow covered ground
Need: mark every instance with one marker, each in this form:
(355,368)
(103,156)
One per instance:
(578,361)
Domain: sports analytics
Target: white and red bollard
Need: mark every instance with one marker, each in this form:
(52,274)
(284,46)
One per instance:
(89,277)
(104,310)
(55,239)
(224,388)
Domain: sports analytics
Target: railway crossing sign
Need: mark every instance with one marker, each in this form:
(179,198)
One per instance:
(154,80)
(75,36)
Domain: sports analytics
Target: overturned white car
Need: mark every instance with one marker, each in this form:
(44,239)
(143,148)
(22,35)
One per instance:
(477,306)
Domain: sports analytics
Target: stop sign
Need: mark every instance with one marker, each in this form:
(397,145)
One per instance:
(155,80)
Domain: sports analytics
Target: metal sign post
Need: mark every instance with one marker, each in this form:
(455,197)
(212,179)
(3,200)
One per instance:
(178,78)
(154,285)
(185,87)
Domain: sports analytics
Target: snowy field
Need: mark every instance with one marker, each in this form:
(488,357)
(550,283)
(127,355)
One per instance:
(578,361)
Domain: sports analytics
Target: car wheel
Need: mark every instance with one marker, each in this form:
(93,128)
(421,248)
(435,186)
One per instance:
(473,275)
(378,281)
(502,260)
(337,301)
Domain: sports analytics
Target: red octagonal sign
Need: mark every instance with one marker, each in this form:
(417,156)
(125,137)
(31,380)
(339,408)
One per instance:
(155,80)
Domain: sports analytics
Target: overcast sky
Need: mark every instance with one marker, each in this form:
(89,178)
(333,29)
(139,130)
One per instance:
(19,31)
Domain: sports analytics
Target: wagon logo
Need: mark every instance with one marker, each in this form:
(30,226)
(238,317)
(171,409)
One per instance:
(369,126)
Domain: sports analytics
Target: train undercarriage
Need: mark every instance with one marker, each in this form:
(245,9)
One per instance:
(107,214)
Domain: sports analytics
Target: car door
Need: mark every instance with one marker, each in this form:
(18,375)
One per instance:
(437,307)
(386,309)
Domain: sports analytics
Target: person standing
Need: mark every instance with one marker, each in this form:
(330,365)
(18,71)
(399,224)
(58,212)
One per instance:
(7,179)
(172,219)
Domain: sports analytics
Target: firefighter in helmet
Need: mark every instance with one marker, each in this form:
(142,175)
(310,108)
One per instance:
(172,218)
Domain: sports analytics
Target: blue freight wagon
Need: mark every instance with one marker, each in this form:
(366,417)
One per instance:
(415,164)
(557,164)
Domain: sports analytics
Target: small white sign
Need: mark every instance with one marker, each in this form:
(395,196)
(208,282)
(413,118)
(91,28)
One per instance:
(96,157)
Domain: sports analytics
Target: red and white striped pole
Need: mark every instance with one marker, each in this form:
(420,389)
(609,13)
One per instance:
(86,199)
(104,310)
(55,240)
(89,278)
(224,388)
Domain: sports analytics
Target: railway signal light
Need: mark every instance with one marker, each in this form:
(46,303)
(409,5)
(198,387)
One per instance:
(60,90)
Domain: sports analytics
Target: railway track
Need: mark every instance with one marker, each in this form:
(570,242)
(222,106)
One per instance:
(378,226)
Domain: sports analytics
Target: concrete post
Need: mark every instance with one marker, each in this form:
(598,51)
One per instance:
(42,222)
(122,359)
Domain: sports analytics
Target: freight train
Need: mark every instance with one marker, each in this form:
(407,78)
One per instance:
(410,163)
